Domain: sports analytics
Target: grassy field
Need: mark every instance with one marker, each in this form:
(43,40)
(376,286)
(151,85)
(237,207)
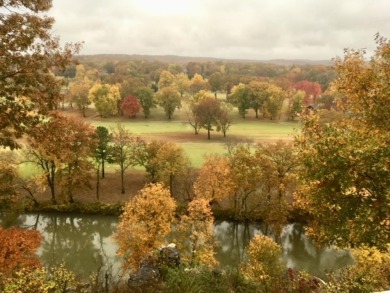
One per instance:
(178,130)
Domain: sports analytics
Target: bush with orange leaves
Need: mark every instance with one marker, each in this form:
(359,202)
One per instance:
(17,249)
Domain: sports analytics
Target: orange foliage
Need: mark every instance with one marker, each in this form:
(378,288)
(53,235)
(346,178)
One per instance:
(17,249)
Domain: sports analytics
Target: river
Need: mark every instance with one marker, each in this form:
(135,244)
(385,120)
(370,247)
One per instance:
(85,243)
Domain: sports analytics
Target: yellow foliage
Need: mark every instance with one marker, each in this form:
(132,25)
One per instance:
(214,182)
(145,221)
(264,260)
(196,229)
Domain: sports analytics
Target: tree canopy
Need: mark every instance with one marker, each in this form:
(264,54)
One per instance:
(346,172)
(28,54)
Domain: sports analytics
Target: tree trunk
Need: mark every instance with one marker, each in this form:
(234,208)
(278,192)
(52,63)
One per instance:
(103,173)
(50,179)
(123,181)
(97,183)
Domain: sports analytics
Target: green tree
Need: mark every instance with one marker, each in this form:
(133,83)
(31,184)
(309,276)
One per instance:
(146,99)
(123,150)
(169,99)
(346,177)
(28,53)
(240,98)
(102,153)
(215,82)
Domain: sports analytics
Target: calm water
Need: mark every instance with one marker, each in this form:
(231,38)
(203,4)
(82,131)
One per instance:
(85,243)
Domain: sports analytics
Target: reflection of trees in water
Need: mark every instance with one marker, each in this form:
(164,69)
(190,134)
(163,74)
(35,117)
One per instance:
(232,239)
(76,241)
(298,251)
(11,218)
(81,242)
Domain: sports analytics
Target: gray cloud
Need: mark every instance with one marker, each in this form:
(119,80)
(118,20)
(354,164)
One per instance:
(248,29)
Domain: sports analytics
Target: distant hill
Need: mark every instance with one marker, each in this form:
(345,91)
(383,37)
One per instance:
(186,59)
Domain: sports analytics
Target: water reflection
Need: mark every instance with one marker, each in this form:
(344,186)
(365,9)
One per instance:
(85,243)
(299,252)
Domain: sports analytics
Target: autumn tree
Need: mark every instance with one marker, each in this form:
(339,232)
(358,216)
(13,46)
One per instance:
(264,263)
(130,86)
(274,101)
(28,54)
(78,93)
(105,98)
(279,180)
(169,99)
(146,99)
(130,106)
(8,177)
(167,79)
(182,83)
(80,72)
(214,182)
(123,150)
(60,147)
(17,250)
(206,112)
(144,223)
(240,98)
(198,84)
(164,161)
(245,173)
(312,90)
(296,104)
(196,232)
(225,118)
(346,178)
(258,95)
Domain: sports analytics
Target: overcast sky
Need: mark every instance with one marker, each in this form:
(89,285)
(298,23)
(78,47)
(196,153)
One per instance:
(239,29)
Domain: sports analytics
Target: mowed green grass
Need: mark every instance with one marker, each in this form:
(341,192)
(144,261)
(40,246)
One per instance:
(197,146)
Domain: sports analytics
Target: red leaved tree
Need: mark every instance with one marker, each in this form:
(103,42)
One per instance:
(130,106)
(17,249)
(312,90)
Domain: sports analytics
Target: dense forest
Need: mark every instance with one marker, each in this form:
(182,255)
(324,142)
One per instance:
(67,125)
